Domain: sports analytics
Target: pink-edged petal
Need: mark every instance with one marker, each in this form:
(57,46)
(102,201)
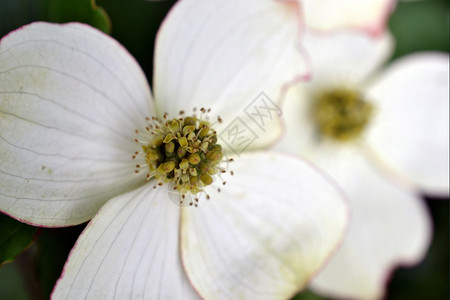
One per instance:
(410,132)
(130,250)
(340,59)
(345,58)
(266,233)
(70,100)
(224,54)
(368,15)
(389,226)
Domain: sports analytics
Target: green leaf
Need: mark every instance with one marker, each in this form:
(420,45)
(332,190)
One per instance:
(15,237)
(84,11)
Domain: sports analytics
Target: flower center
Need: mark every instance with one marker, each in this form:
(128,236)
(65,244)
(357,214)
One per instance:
(341,114)
(182,152)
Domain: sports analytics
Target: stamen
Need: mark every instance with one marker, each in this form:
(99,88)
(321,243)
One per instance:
(341,114)
(181,151)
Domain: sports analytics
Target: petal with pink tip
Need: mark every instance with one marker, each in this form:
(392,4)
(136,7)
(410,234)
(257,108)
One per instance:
(345,58)
(369,15)
(410,131)
(129,250)
(70,100)
(389,226)
(266,233)
(224,54)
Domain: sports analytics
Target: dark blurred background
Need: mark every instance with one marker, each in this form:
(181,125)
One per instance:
(416,25)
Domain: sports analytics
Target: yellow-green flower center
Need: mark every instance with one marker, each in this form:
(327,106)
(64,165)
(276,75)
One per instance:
(182,152)
(341,114)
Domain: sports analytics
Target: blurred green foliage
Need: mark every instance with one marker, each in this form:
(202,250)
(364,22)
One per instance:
(135,24)
(52,248)
(84,11)
(416,26)
(16,13)
(15,237)
(420,26)
(12,285)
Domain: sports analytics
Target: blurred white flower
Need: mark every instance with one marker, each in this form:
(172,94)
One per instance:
(73,102)
(370,16)
(384,136)
(367,15)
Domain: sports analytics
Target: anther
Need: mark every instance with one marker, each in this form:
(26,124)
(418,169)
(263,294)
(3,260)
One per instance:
(183,151)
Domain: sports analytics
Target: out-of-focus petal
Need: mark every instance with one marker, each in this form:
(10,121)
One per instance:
(129,250)
(369,15)
(345,58)
(299,131)
(266,233)
(70,100)
(224,54)
(389,226)
(410,131)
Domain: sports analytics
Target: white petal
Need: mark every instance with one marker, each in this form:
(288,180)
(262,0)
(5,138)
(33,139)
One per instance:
(259,127)
(369,15)
(340,59)
(265,234)
(411,129)
(389,226)
(299,131)
(70,100)
(224,54)
(129,250)
(345,57)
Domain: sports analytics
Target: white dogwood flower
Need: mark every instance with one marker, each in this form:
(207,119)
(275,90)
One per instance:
(82,137)
(383,135)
